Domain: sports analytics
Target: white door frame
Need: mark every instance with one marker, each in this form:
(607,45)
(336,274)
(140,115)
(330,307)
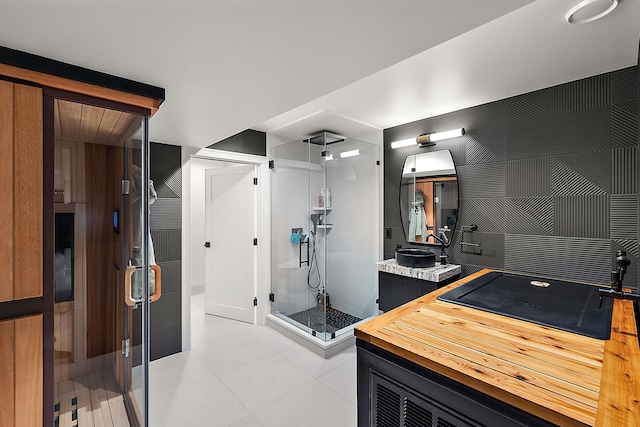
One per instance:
(263,211)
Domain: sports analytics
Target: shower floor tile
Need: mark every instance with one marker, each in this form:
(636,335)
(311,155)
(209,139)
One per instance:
(314,318)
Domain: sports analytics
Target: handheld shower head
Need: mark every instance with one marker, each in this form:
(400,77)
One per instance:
(316,219)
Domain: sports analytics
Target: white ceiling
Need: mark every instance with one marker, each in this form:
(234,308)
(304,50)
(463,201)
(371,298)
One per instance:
(290,66)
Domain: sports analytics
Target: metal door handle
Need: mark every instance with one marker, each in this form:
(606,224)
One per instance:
(128,273)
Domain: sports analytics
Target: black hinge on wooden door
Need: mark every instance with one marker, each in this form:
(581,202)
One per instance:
(255,181)
(272,297)
(255,301)
(255,242)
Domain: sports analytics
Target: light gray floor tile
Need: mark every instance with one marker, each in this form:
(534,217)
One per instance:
(231,352)
(246,422)
(316,365)
(264,381)
(313,405)
(207,403)
(179,370)
(342,380)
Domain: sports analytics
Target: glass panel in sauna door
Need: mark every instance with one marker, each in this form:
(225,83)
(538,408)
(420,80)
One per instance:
(141,277)
(101,340)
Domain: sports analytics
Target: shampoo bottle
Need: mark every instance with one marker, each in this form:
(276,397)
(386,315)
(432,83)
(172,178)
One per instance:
(327,198)
(321,199)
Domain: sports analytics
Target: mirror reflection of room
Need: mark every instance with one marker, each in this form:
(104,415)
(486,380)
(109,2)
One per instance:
(429,197)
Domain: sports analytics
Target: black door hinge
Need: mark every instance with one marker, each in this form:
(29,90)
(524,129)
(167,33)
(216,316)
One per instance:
(255,242)
(255,181)
(255,301)
(378,162)
(272,297)
(271,164)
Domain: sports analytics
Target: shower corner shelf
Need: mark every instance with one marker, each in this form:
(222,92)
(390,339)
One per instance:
(318,208)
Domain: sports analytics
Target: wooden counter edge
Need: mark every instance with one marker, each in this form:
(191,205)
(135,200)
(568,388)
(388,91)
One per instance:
(619,400)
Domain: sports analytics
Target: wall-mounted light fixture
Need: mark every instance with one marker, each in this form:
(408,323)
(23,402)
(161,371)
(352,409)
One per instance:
(428,139)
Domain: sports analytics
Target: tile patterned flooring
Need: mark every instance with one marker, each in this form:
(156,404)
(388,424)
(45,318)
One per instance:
(243,375)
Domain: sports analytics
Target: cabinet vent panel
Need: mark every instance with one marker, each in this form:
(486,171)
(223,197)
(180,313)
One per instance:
(388,407)
(416,416)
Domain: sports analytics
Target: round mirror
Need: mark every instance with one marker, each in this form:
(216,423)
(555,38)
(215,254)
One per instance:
(429,198)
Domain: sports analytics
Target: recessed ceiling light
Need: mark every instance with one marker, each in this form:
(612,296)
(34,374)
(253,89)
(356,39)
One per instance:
(590,10)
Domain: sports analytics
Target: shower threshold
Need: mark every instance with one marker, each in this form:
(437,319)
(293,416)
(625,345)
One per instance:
(321,343)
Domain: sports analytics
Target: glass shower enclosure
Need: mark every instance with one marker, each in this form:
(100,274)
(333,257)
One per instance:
(325,233)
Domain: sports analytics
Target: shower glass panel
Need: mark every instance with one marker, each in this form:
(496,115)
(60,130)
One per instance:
(325,231)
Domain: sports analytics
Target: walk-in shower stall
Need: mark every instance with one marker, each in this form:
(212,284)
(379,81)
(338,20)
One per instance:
(325,237)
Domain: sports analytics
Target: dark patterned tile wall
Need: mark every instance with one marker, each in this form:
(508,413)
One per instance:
(550,178)
(165,223)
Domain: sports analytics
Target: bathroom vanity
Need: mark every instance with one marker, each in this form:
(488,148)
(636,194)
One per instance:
(398,284)
(432,362)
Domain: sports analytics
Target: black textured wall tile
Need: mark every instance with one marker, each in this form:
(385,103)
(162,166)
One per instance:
(530,106)
(167,244)
(581,173)
(165,214)
(171,276)
(569,151)
(624,84)
(490,253)
(582,216)
(165,223)
(582,94)
(481,180)
(488,213)
(624,124)
(529,215)
(166,310)
(392,213)
(165,341)
(624,216)
(248,141)
(484,146)
(562,257)
(586,130)
(482,116)
(164,155)
(167,181)
(624,165)
(528,177)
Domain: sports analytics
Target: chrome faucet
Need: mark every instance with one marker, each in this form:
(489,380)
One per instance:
(617,275)
(443,254)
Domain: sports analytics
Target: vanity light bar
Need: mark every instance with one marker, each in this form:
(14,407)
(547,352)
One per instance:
(428,138)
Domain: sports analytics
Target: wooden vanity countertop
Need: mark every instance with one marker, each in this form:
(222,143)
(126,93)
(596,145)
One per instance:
(565,378)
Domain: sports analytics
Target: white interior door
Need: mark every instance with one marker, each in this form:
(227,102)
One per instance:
(230,253)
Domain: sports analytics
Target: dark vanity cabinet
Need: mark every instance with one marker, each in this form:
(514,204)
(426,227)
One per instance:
(393,391)
(395,289)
